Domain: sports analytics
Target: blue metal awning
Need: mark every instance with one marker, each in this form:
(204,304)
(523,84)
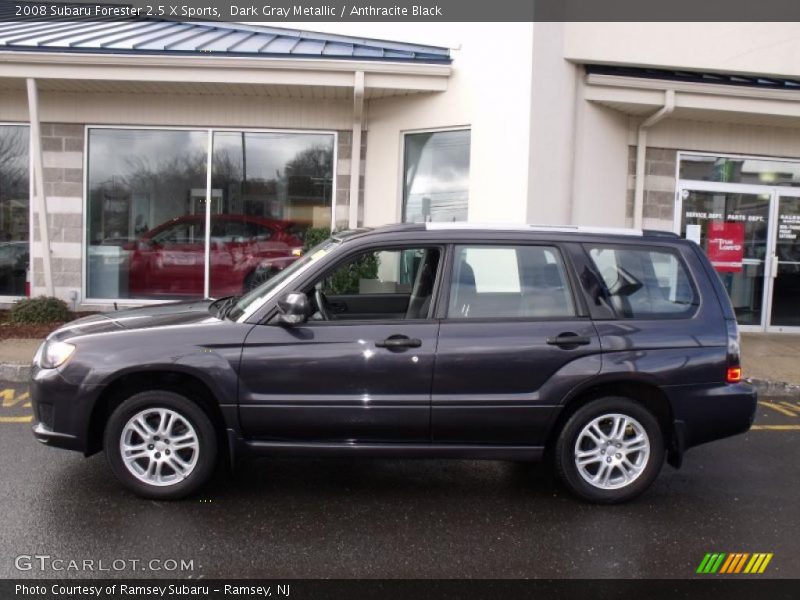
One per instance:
(152,36)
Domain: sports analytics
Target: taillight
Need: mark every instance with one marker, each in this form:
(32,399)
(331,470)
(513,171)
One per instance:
(734,375)
(734,371)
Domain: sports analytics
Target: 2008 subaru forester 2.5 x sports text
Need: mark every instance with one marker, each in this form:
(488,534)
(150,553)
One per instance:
(607,351)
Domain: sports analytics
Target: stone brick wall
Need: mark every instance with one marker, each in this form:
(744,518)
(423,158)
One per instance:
(659,187)
(343,171)
(62,154)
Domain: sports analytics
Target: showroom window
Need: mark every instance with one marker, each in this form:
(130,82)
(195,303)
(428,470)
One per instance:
(14,209)
(147,209)
(436,176)
(266,190)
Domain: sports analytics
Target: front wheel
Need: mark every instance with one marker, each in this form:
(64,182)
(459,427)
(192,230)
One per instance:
(609,451)
(161,445)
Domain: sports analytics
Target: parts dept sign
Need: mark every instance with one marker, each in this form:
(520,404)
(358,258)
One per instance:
(726,246)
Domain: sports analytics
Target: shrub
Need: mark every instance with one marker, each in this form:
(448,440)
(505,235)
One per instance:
(345,279)
(39,310)
(313,236)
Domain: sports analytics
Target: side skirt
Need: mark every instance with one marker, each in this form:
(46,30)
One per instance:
(253,448)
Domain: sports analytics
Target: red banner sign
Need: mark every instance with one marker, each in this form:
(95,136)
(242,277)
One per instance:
(726,246)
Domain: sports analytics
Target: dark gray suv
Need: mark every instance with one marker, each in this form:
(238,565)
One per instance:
(608,351)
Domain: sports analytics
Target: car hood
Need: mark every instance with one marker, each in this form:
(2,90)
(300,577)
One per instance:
(160,315)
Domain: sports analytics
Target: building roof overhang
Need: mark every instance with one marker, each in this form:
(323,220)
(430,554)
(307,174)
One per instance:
(214,55)
(696,100)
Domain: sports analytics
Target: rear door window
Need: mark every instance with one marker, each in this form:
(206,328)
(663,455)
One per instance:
(644,283)
(528,282)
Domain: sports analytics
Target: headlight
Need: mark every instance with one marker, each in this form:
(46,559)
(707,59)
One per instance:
(55,354)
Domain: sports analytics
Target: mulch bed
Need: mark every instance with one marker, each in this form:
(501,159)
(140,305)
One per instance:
(14,331)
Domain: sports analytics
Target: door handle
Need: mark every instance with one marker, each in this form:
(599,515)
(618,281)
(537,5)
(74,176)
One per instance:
(569,340)
(399,341)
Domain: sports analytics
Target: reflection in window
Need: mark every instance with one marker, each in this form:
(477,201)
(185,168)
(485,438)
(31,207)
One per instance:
(436,176)
(737,169)
(14,209)
(147,209)
(146,206)
(267,189)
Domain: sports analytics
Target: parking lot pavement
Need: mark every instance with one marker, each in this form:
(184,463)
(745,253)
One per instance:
(400,518)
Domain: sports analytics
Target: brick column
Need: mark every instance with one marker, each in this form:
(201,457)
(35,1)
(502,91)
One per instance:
(62,147)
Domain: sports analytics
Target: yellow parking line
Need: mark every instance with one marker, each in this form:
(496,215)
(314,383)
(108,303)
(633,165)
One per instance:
(27,419)
(780,409)
(791,407)
(777,427)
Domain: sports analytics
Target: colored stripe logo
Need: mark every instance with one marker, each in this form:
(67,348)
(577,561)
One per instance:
(735,562)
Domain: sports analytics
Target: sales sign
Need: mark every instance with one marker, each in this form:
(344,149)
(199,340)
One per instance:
(726,246)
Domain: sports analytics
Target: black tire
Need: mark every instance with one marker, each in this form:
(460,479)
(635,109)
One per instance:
(206,443)
(565,459)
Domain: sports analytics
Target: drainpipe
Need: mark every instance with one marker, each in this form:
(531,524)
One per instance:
(355,150)
(641,149)
(38,180)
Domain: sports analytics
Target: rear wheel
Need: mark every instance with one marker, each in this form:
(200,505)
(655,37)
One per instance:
(611,450)
(161,445)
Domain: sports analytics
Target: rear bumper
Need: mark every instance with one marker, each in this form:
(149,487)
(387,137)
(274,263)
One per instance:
(704,413)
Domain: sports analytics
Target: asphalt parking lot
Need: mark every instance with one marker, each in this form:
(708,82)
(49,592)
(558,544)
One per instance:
(399,518)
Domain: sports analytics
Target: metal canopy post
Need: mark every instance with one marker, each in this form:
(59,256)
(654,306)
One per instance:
(355,150)
(40,200)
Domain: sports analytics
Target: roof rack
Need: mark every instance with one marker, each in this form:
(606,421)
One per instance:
(540,228)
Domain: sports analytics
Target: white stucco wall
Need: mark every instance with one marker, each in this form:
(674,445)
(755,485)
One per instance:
(489,92)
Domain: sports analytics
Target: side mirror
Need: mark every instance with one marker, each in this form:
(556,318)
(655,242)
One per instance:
(293,308)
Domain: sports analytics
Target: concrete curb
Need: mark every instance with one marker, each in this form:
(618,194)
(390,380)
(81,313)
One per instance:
(775,389)
(21,373)
(15,372)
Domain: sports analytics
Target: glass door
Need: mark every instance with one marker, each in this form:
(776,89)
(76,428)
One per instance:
(731,223)
(785,303)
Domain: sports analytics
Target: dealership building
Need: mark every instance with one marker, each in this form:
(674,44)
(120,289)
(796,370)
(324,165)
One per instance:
(148,160)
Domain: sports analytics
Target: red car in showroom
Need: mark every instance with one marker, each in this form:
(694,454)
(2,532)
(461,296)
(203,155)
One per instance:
(245,250)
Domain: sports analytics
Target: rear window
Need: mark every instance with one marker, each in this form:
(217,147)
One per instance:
(644,283)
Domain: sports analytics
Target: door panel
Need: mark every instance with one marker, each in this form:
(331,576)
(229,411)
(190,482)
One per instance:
(331,382)
(501,382)
(513,345)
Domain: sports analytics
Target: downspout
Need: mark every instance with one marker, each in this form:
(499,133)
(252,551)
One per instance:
(355,150)
(38,179)
(641,150)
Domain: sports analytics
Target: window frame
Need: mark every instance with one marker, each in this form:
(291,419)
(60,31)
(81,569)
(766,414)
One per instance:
(325,270)
(401,181)
(5,298)
(209,163)
(581,312)
(612,314)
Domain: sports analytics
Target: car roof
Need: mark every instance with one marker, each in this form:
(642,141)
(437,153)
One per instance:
(472,231)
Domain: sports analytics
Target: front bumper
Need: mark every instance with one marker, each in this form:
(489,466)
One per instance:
(62,410)
(704,413)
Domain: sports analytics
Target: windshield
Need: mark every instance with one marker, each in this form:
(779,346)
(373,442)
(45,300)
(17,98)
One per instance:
(254,298)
